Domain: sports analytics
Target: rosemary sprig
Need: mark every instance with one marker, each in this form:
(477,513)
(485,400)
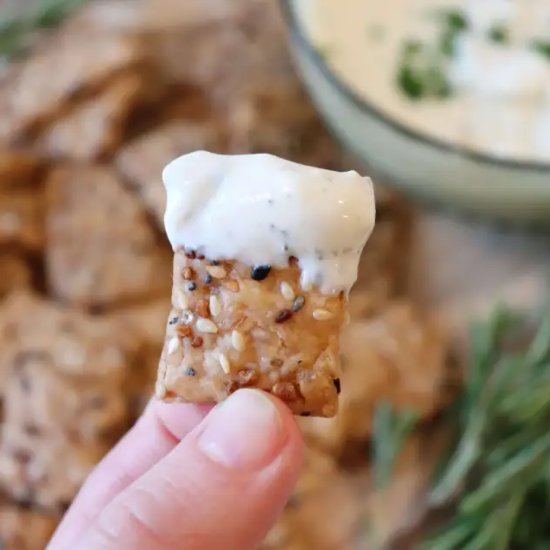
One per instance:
(390,431)
(17,30)
(499,475)
(496,480)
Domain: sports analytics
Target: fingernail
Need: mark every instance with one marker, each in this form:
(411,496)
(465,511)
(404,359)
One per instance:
(246,431)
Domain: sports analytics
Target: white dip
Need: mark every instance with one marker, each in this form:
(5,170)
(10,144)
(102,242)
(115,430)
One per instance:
(486,83)
(261,209)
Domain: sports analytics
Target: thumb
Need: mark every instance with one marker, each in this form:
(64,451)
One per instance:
(222,486)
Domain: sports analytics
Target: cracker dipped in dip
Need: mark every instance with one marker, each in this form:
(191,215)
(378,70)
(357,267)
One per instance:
(266,252)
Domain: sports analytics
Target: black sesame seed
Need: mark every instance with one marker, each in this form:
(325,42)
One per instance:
(298,303)
(215,262)
(192,286)
(174,320)
(190,254)
(190,371)
(260,272)
(200,257)
(207,279)
(337,385)
(283,315)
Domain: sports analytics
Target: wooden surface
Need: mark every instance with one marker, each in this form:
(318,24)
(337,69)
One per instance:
(462,268)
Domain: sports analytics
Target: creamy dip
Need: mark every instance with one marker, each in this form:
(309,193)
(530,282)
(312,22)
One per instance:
(494,63)
(261,209)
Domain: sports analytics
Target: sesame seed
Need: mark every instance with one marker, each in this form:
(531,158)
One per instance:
(181,299)
(190,254)
(207,279)
(283,315)
(224,362)
(173,321)
(286,291)
(322,314)
(190,371)
(191,287)
(216,271)
(237,340)
(207,326)
(215,306)
(298,303)
(260,272)
(173,345)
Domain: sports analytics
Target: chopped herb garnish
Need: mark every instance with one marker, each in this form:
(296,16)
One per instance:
(422,73)
(454,23)
(423,69)
(542,47)
(499,35)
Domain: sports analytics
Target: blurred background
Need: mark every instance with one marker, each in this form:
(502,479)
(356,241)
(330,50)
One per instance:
(441,438)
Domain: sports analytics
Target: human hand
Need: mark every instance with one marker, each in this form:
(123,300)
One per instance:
(189,477)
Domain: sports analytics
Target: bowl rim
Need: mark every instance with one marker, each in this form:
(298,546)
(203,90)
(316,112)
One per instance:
(298,34)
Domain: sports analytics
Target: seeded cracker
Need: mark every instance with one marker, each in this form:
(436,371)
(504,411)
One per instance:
(15,273)
(142,160)
(65,398)
(21,200)
(102,250)
(233,326)
(71,63)
(323,511)
(22,528)
(93,128)
(399,356)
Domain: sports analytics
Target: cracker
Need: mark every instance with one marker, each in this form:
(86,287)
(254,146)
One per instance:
(276,116)
(146,323)
(383,268)
(15,272)
(22,218)
(142,160)
(101,248)
(94,128)
(398,356)
(70,64)
(228,330)
(65,399)
(18,169)
(322,513)
(22,528)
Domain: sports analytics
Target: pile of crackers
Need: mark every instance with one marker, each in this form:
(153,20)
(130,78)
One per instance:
(88,119)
